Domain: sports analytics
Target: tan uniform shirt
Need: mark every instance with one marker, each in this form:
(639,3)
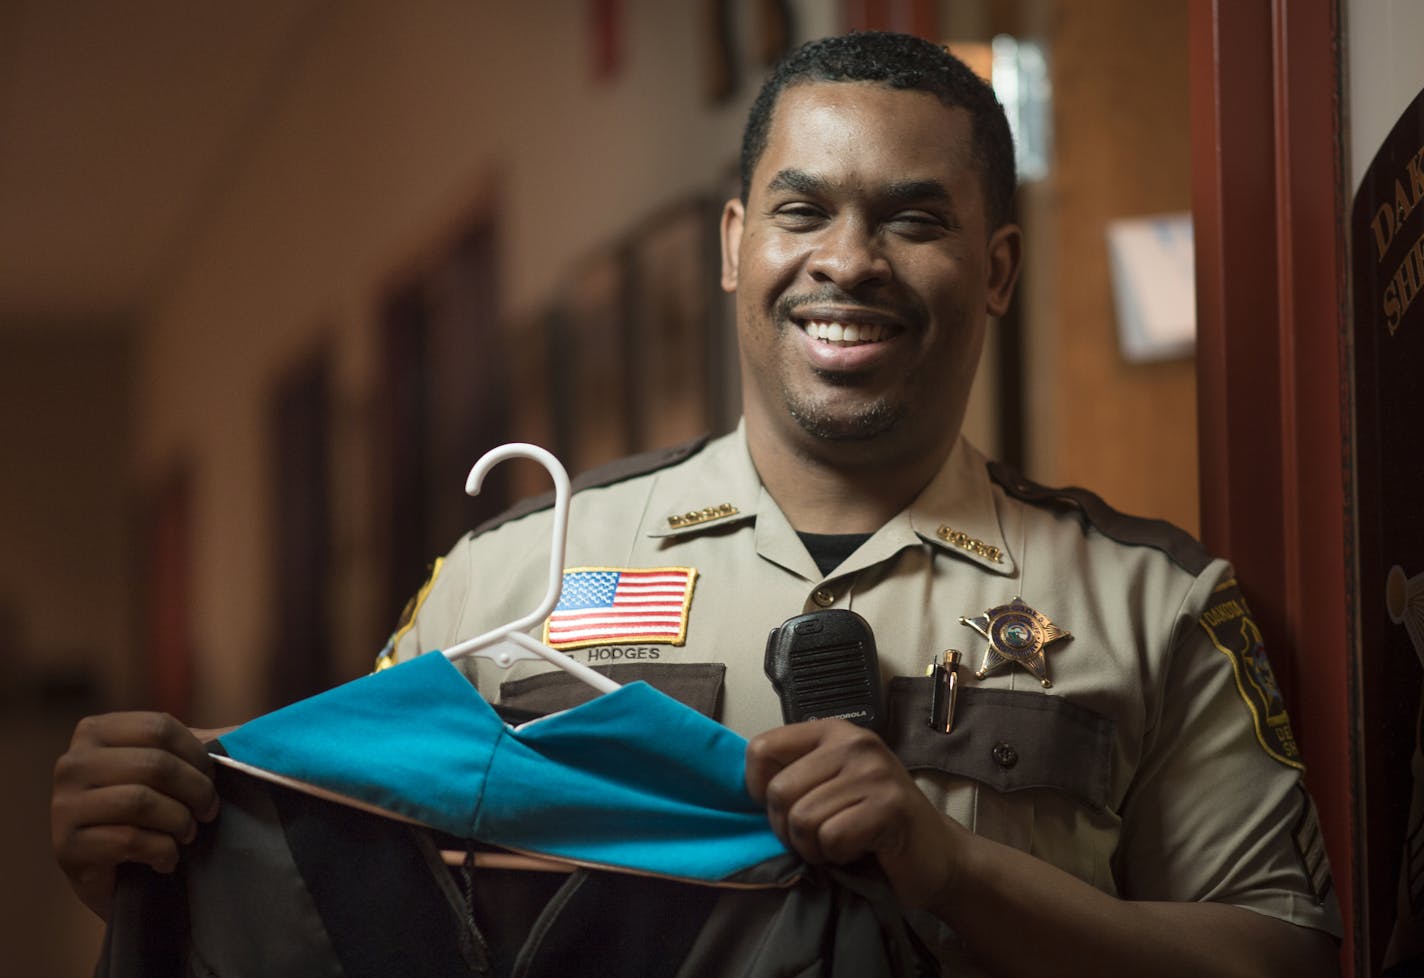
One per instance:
(1157,766)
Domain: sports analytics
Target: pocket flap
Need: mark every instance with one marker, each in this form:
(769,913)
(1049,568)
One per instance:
(694,684)
(1005,739)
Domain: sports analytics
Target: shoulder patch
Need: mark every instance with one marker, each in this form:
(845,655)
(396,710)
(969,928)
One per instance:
(406,622)
(1179,545)
(613,472)
(1228,624)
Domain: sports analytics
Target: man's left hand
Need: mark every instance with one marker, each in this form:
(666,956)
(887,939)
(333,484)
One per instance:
(835,792)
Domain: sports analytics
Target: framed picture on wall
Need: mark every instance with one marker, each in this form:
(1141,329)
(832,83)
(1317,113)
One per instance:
(530,383)
(591,370)
(165,574)
(722,307)
(468,401)
(440,404)
(673,268)
(299,430)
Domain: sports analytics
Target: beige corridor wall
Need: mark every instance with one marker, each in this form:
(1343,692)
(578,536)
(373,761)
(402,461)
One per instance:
(65,616)
(398,121)
(1121,149)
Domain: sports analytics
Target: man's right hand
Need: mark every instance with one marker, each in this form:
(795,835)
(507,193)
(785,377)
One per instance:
(131,788)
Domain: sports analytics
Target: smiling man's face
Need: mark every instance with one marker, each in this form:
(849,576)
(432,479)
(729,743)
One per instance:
(864,269)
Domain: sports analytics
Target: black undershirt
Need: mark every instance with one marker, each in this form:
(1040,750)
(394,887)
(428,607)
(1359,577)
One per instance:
(829,550)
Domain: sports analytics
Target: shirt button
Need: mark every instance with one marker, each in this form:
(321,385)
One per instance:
(1005,755)
(823,598)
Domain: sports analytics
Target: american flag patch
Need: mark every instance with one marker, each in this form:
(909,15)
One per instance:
(607,605)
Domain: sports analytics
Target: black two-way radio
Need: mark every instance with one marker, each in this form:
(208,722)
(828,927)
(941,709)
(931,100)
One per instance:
(824,666)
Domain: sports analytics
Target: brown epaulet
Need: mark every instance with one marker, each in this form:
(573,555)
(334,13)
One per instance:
(602,475)
(1184,549)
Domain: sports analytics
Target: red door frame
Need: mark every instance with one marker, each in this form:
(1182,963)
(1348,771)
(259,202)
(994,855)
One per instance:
(1268,202)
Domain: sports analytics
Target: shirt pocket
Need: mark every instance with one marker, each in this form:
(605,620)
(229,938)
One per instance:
(694,684)
(1007,740)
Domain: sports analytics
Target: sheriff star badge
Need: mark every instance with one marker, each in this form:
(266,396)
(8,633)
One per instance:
(1016,633)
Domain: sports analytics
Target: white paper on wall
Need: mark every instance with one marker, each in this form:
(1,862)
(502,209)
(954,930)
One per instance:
(1154,291)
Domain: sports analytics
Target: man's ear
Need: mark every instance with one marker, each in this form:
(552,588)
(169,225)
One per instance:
(1005,256)
(733,215)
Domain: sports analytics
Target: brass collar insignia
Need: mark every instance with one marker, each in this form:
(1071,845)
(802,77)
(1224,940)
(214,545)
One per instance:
(1016,633)
(962,540)
(705,515)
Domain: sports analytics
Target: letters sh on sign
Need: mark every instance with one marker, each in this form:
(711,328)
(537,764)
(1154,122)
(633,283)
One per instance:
(1387,244)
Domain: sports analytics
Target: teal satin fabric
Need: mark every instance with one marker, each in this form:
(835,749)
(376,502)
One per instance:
(632,779)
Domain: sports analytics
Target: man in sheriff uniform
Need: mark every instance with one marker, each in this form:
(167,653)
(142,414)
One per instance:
(1116,791)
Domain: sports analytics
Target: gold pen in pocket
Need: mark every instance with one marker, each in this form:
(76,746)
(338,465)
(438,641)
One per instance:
(944,689)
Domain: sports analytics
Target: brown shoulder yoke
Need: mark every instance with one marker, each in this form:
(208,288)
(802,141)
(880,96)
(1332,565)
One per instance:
(1184,549)
(618,470)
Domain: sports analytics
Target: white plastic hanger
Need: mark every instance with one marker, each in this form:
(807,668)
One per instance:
(504,646)
(510,643)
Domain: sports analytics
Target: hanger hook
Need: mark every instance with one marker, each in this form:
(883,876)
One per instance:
(558,532)
(508,643)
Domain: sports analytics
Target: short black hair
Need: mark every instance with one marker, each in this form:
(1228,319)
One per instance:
(898,61)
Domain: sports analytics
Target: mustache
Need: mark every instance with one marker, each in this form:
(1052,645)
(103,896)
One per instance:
(831,295)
